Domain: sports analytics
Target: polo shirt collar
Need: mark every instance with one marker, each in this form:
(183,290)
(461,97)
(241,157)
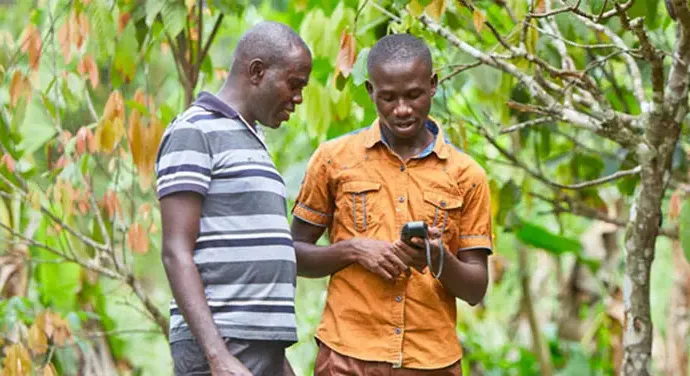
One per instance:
(210,102)
(440,146)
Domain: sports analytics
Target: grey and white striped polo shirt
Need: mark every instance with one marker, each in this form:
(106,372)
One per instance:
(244,251)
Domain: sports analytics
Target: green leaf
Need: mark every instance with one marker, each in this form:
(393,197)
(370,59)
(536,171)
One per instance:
(684,227)
(126,53)
(509,196)
(36,129)
(539,237)
(359,69)
(340,82)
(103,26)
(229,7)
(174,17)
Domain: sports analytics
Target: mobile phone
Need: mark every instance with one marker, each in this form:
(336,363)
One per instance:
(417,229)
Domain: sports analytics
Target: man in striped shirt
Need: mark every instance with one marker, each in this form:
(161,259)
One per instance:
(227,248)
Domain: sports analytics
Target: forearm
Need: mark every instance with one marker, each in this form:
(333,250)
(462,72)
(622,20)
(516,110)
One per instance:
(464,280)
(190,297)
(315,261)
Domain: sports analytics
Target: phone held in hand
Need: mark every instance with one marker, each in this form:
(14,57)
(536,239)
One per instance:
(417,229)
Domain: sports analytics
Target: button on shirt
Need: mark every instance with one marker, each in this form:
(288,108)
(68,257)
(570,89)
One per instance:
(355,186)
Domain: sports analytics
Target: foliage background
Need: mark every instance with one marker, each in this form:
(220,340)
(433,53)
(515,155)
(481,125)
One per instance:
(75,155)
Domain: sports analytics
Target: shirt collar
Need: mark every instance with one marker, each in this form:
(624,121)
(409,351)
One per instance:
(211,102)
(440,147)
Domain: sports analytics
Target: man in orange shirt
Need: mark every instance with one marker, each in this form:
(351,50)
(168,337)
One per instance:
(383,316)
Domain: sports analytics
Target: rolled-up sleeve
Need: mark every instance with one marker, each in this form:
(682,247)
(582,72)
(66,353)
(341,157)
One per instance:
(314,203)
(475,229)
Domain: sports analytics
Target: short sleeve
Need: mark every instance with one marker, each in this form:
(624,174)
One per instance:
(314,203)
(475,229)
(184,161)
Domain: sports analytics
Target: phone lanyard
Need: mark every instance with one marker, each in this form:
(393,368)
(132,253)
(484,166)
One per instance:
(440,256)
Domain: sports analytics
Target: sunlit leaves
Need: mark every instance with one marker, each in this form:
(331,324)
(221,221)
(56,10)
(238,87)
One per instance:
(436,8)
(111,126)
(17,361)
(37,340)
(54,326)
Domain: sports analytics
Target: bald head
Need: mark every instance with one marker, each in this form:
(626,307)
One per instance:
(269,41)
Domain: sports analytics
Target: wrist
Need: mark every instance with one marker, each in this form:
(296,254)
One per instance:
(352,253)
(216,352)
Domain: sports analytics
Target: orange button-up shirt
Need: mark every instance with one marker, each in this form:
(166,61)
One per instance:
(355,186)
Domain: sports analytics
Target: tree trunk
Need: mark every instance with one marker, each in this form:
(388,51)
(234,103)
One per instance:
(640,239)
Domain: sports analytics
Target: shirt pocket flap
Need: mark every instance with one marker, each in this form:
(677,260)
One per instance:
(442,201)
(360,186)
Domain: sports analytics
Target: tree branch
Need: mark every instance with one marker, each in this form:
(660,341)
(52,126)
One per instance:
(610,128)
(633,68)
(84,263)
(545,180)
(211,37)
(581,210)
(461,68)
(150,306)
(525,124)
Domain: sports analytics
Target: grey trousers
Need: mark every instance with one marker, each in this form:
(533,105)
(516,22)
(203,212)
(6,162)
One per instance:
(262,358)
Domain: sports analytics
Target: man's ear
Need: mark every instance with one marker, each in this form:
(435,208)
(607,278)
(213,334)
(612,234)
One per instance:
(434,84)
(257,69)
(370,89)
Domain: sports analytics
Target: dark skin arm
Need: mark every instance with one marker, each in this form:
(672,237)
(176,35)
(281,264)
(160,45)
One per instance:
(180,213)
(379,257)
(465,275)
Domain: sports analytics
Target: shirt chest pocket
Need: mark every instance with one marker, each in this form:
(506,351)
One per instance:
(357,205)
(442,210)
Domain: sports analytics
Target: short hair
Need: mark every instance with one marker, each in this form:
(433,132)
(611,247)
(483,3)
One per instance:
(270,41)
(397,48)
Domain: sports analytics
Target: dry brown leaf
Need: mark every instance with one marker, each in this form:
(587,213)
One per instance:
(112,204)
(80,28)
(64,33)
(33,44)
(122,21)
(85,141)
(62,332)
(675,204)
(20,86)
(137,138)
(115,106)
(88,66)
(138,239)
(436,8)
(346,55)
(540,6)
(37,341)
(478,20)
(17,361)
